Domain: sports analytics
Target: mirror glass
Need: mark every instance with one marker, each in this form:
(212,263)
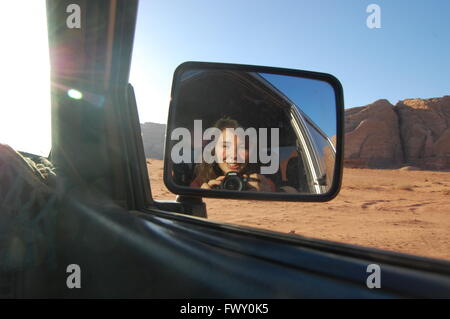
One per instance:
(233,130)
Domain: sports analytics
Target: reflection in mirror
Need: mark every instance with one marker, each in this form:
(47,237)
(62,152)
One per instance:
(247,131)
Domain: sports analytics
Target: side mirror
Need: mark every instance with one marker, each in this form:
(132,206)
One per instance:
(252,132)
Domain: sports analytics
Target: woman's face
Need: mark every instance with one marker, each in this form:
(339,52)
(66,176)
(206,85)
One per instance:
(231,152)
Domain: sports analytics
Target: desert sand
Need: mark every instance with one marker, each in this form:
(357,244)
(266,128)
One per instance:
(399,210)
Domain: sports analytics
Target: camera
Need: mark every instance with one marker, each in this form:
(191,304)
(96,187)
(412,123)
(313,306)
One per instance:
(233,181)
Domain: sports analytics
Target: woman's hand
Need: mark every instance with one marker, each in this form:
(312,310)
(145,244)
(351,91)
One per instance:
(260,183)
(213,182)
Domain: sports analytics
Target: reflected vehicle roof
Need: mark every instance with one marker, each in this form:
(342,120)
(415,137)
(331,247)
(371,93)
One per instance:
(251,79)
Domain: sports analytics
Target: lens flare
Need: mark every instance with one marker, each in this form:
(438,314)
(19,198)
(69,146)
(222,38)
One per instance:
(75,94)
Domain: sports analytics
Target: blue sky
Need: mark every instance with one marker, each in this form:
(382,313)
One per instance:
(315,98)
(407,58)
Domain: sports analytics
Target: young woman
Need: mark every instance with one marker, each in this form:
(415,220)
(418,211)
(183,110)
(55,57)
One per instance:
(231,155)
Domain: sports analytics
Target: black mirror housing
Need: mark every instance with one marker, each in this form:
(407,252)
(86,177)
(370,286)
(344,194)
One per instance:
(254,132)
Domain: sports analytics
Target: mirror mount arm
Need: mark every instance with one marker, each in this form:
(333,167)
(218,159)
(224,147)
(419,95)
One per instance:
(193,204)
(189,205)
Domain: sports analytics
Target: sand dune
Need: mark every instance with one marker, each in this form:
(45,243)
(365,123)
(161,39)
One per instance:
(400,210)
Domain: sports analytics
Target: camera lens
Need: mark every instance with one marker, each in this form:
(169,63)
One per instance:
(233,183)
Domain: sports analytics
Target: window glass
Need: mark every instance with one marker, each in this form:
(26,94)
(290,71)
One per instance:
(326,155)
(396,184)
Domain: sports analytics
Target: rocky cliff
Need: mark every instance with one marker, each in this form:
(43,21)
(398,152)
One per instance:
(372,136)
(413,132)
(153,135)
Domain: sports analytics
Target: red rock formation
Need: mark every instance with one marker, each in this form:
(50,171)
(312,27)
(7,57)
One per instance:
(425,131)
(372,136)
(414,132)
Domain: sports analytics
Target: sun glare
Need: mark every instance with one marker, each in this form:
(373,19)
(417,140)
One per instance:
(75,94)
(25,77)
